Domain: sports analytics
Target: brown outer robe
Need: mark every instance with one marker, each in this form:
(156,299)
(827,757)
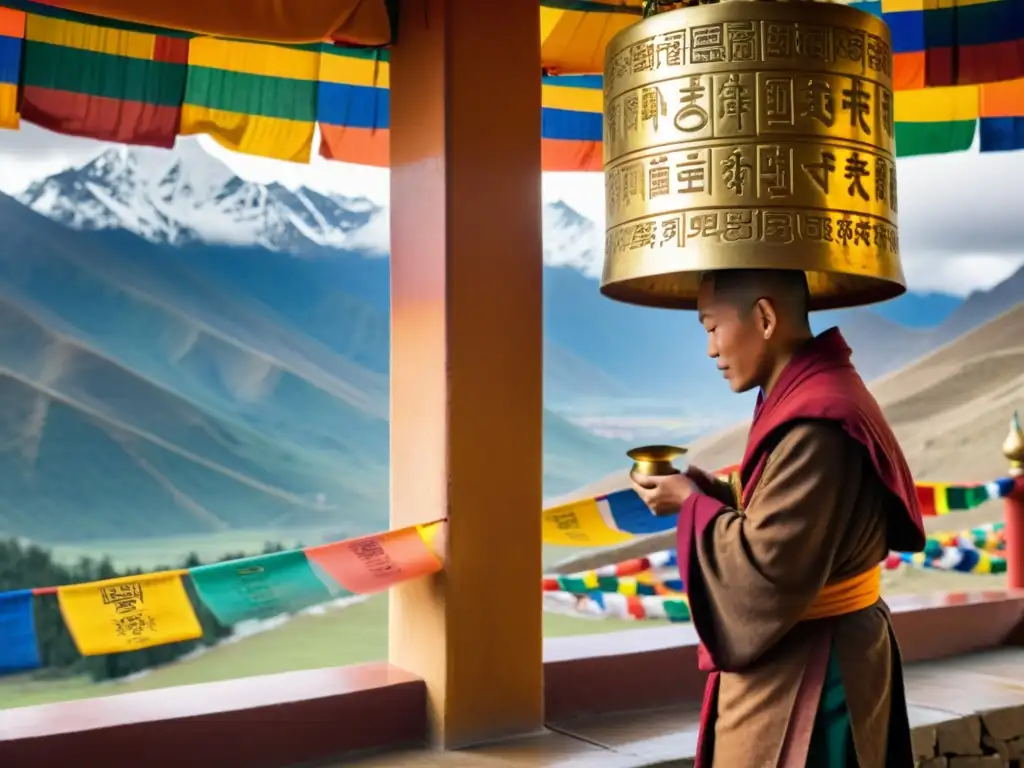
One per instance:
(817,516)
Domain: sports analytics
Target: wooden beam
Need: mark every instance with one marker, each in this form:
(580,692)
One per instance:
(466,355)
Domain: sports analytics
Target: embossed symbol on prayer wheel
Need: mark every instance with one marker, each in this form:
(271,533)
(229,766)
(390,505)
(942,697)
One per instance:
(754,135)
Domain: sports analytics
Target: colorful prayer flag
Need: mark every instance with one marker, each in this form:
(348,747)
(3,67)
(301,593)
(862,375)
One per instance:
(128,613)
(354,106)
(260,587)
(12,33)
(583,523)
(354,113)
(619,516)
(253,98)
(959,42)
(935,120)
(602,521)
(374,563)
(621,606)
(1002,116)
(928,498)
(575,33)
(87,78)
(677,609)
(572,123)
(357,22)
(19,648)
(972,42)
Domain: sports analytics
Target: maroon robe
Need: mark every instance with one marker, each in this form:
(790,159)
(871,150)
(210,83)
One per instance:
(819,383)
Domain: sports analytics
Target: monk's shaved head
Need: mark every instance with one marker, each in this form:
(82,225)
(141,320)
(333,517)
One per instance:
(754,319)
(785,288)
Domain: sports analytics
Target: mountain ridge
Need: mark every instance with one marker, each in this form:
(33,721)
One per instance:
(241,379)
(187,199)
(146,396)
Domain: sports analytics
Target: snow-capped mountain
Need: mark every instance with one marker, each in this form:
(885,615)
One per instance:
(572,240)
(187,195)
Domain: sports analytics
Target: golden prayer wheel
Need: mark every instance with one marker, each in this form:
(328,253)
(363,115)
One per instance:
(655,460)
(754,135)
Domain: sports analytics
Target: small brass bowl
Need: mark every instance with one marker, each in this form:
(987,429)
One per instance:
(655,459)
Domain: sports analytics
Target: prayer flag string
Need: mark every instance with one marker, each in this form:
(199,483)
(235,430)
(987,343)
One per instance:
(650,587)
(140,611)
(621,515)
(145,610)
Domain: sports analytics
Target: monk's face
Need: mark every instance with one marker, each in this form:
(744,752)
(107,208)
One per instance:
(736,339)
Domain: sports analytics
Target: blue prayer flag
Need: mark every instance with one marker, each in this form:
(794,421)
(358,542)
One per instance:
(19,651)
(631,515)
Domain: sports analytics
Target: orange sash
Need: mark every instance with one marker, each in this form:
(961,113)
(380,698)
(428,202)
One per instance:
(846,596)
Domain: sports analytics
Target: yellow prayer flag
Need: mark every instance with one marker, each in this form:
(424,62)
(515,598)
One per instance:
(129,613)
(579,524)
(9,117)
(984,562)
(252,98)
(627,586)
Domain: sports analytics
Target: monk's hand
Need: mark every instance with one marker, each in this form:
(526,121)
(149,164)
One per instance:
(703,479)
(664,494)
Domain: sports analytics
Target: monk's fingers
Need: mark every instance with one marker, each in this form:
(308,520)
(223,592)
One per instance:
(647,482)
(641,491)
(650,497)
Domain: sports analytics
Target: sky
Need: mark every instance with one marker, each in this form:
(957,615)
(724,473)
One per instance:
(961,217)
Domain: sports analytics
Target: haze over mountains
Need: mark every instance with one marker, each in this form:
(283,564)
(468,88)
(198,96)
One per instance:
(184,351)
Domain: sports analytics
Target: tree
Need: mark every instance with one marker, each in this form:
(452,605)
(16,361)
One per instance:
(29,566)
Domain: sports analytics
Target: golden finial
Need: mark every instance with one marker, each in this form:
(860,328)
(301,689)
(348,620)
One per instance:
(655,459)
(1013,446)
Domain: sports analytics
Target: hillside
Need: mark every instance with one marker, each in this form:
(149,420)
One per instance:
(601,372)
(881,345)
(153,391)
(186,352)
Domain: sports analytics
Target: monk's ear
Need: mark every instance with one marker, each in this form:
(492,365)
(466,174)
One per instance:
(767,317)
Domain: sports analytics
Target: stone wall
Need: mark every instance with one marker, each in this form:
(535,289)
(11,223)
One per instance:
(991,739)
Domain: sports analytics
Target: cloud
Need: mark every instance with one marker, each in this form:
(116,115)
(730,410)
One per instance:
(319,174)
(34,152)
(374,237)
(961,228)
(960,223)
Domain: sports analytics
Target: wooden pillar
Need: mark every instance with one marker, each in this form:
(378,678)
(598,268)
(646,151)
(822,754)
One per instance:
(466,356)
(1013,449)
(1014,517)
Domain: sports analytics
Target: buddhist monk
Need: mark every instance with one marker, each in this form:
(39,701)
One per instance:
(782,565)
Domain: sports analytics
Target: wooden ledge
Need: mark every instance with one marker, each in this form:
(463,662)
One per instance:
(944,624)
(969,707)
(272,720)
(655,668)
(317,715)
